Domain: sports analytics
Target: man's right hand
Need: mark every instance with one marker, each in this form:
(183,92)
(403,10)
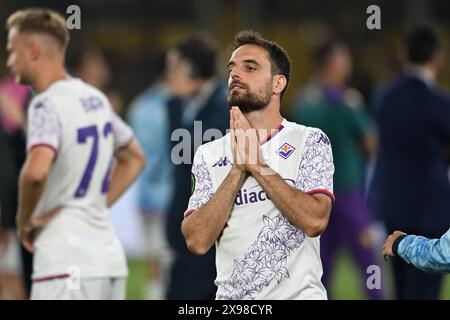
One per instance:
(238,161)
(5,239)
(26,235)
(27,231)
(387,247)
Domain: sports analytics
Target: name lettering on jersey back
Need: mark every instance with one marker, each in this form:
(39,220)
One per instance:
(91,103)
(250,195)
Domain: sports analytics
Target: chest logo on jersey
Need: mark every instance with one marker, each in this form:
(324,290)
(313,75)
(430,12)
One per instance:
(222,162)
(255,194)
(285,150)
(247,196)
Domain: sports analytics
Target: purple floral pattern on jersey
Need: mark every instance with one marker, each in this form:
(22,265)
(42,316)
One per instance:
(264,262)
(316,166)
(44,126)
(203,190)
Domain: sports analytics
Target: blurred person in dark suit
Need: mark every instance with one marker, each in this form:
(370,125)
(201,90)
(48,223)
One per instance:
(199,97)
(14,100)
(411,181)
(328,103)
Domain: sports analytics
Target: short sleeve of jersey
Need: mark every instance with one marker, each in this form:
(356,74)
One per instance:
(202,186)
(121,131)
(44,126)
(316,168)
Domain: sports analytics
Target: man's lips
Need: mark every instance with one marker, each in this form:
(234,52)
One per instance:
(237,85)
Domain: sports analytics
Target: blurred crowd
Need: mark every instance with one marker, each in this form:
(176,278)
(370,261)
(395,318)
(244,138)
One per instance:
(390,148)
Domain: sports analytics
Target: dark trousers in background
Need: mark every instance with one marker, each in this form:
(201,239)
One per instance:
(192,277)
(27,269)
(412,283)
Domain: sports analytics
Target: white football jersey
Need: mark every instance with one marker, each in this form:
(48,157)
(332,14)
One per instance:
(77,122)
(260,254)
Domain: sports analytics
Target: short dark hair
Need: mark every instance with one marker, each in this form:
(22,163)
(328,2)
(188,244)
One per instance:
(44,21)
(201,51)
(421,44)
(279,59)
(325,50)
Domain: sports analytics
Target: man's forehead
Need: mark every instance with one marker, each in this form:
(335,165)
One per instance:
(249,52)
(12,38)
(14,35)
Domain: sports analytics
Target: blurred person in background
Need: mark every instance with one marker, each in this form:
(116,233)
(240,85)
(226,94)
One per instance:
(429,255)
(411,182)
(93,67)
(329,104)
(11,284)
(80,159)
(199,96)
(14,100)
(149,118)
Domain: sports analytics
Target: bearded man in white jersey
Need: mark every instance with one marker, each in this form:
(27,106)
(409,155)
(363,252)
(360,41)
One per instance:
(263,193)
(80,159)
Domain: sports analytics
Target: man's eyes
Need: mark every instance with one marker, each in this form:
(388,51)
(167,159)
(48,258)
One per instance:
(247,68)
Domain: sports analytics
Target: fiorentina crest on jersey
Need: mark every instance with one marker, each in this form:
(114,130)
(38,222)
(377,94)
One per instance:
(285,150)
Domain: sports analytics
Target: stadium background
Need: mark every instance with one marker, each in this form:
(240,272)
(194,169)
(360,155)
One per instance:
(132,34)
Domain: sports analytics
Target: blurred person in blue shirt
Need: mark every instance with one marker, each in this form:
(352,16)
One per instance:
(148,116)
(430,255)
(411,183)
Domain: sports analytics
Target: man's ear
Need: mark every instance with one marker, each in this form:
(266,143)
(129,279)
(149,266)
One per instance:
(279,83)
(438,60)
(35,50)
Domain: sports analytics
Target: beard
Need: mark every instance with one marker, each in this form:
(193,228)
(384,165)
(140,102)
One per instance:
(247,101)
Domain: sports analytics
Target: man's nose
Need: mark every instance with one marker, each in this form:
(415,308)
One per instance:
(234,74)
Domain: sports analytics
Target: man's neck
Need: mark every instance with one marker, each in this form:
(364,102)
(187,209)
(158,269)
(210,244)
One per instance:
(425,72)
(265,120)
(47,78)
